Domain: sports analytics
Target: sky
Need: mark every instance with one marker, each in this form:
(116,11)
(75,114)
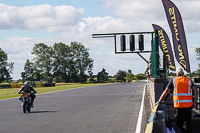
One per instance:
(24,23)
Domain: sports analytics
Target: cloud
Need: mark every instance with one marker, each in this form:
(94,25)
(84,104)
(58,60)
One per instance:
(144,12)
(136,10)
(18,50)
(17,44)
(38,16)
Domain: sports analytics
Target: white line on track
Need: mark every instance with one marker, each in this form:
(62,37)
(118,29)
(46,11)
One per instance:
(139,121)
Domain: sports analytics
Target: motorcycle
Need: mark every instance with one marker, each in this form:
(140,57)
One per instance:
(26,99)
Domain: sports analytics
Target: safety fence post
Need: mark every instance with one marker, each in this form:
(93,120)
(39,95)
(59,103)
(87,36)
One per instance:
(155,57)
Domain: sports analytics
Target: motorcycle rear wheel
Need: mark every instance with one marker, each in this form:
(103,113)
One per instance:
(24,106)
(29,107)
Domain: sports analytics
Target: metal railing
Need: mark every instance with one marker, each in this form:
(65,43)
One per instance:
(198,101)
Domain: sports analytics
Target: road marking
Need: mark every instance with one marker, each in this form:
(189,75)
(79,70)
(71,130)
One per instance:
(139,121)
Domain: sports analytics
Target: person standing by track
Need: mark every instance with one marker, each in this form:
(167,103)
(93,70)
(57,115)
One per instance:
(182,99)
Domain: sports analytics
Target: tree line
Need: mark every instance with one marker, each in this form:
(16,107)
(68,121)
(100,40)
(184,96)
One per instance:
(65,63)
(120,76)
(60,63)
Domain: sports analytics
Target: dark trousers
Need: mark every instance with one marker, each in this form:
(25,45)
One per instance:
(33,96)
(183,118)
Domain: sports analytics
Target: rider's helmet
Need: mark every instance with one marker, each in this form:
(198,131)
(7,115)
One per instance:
(26,83)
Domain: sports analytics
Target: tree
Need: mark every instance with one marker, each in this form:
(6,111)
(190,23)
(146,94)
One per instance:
(90,68)
(129,76)
(140,76)
(121,75)
(37,75)
(23,76)
(198,58)
(102,76)
(80,61)
(28,71)
(194,74)
(61,62)
(43,58)
(6,68)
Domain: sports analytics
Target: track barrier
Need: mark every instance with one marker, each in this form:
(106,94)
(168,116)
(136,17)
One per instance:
(19,85)
(157,120)
(198,101)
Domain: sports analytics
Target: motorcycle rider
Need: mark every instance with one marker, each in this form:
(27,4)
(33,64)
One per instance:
(29,89)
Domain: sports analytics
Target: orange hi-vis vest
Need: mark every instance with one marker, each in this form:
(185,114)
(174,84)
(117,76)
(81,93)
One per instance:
(182,94)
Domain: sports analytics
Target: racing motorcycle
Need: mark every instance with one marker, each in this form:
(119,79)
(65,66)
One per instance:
(26,102)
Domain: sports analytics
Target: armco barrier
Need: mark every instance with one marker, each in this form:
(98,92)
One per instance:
(5,86)
(19,85)
(109,81)
(156,122)
(16,85)
(38,84)
(13,85)
(33,84)
(48,84)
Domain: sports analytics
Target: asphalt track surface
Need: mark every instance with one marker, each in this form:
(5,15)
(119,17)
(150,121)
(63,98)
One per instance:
(111,108)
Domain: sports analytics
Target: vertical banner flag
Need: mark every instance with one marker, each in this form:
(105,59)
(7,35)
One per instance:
(178,34)
(165,46)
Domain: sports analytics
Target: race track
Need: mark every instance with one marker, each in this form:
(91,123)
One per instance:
(111,108)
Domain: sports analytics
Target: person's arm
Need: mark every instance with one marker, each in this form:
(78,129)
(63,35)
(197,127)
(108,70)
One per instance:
(33,90)
(21,89)
(194,88)
(164,94)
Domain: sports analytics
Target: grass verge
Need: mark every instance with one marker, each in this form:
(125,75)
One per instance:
(12,92)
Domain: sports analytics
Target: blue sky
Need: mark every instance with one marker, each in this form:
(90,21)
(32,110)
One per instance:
(92,8)
(26,22)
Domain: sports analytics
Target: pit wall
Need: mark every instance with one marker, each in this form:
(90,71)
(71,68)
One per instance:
(156,87)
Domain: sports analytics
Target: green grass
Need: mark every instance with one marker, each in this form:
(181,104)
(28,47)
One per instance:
(12,92)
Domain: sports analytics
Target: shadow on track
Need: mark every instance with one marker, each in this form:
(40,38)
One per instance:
(43,111)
